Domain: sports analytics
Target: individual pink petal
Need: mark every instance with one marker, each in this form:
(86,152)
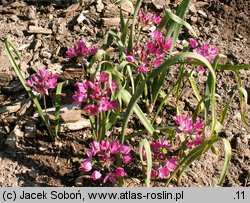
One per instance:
(96,175)
(109,177)
(168,44)
(91,109)
(43,73)
(126,159)
(29,83)
(126,149)
(130,58)
(163,172)
(115,147)
(201,68)
(171,164)
(156,19)
(153,174)
(120,172)
(199,125)
(157,62)
(87,165)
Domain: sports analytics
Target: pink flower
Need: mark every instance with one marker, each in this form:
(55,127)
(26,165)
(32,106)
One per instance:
(42,81)
(130,58)
(142,69)
(198,126)
(156,19)
(87,165)
(143,18)
(112,86)
(157,62)
(105,145)
(91,109)
(126,149)
(153,174)
(168,44)
(201,68)
(157,36)
(80,49)
(193,43)
(96,175)
(104,77)
(185,124)
(171,164)
(109,177)
(29,83)
(207,51)
(120,172)
(195,142)
(126,159)
(115,147)
(105,105)
(163,172)
(95,147)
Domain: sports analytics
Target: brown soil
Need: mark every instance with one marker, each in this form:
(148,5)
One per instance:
(39,162)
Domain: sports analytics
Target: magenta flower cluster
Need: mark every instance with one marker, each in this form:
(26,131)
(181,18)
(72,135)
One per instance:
(81,49)
(209,52)
(145,19)
(152,54)
(96,95)
(42,81)
(192,131)
(163,163)
(102,159)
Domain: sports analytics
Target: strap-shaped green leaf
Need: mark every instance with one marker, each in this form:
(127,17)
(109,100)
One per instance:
(144,144)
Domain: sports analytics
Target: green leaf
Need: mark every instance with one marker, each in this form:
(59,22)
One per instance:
(132,32)
(144,144)
(58,105)
(228,154)
(8,45)
(126,97)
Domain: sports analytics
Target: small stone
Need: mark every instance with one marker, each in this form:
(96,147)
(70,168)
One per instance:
(79,181)
(14,18)
(32,173)
(192,9)
(46,54)
(42,149)
(78,125)
(202,13)
(10,108)
(81,18)
(158,120)
(99,6)
(11,139)
(159,4)
(30,131)
(39,30)
(31,13)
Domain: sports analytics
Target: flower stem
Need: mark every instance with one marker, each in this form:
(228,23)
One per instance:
(45,108)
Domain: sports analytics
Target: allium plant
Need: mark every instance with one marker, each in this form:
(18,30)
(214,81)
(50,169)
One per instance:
(103,159)
(134,78)
(96,99)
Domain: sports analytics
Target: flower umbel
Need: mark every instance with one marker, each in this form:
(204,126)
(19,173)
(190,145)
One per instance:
(103,155)
(42,81)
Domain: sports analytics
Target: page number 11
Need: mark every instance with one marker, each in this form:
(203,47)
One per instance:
(240,195)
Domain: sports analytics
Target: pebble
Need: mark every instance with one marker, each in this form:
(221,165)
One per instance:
(30,131)
(46,54)
(81,18)
(99,6)
(202,13)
